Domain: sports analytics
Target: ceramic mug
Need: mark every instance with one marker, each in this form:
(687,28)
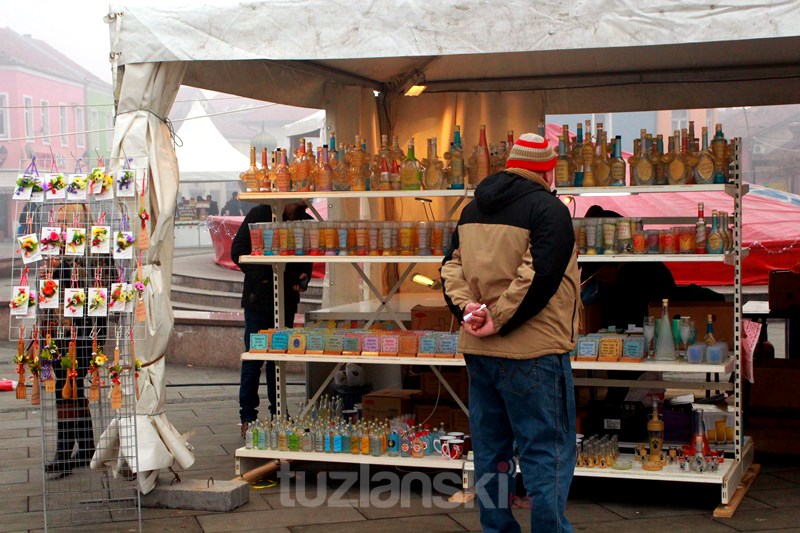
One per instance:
(439,442)
(456,434)
(453,449)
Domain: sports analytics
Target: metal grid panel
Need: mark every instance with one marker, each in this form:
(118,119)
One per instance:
(89,448)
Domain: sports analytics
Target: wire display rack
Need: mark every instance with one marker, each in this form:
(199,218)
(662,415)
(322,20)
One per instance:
(76,311)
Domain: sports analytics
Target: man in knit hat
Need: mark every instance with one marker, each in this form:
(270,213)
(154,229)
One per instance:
(514,252)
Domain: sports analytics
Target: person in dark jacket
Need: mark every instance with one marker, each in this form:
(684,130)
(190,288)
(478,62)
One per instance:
(513,252)
(257,298)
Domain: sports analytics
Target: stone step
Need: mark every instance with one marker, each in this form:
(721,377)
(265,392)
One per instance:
(215,298)
(212,284)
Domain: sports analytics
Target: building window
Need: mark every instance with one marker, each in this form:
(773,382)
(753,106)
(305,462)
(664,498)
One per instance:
(45,118)
(27,104)
(63,125)
(95,127)
(80,130)
(5,128)
(680,120)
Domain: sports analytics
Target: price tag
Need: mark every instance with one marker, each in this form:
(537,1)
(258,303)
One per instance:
(370,345)
(390,345)
(428,345)
(633,347)
(448,345)
(297,343)
(334,344)
(259,342)
(351,344)
(315,343)
(279,341)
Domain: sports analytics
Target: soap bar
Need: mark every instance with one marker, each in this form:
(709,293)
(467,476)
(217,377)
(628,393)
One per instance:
(696,353)
(716,353)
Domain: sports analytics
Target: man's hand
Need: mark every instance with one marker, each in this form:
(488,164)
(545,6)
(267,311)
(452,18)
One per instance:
(298,287)
(481,323)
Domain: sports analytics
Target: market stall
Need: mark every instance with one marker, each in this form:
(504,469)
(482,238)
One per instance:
(504,65)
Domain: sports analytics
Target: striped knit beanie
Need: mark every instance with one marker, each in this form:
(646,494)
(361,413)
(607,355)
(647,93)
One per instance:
(531,152)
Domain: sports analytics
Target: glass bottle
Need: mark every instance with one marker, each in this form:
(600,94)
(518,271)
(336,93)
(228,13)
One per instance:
(690,156)
(248,439)
(482,159)
(355,441)
(565,168)
(709,336)
(365,434)
(324,174)
(264,184)
(283,178)
(337,440)
(577,158)
(319,439)
(715,243)
(294,440)
(727,232)
(345,432)
(386,176)
(395,152)
(665,343)
(659,160)
(617,164)
(676,162)
(393,443)
(405,444)
(410,171)
(357,159)
(719,147)
(283,443)
(456,160)
(587,154)
(252,176)
(700,230)
(642,173)
(704,169)
(601,165)
(262,435)
(434,176)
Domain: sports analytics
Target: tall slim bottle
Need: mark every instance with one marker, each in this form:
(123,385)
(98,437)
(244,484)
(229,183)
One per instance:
(264,177)
(251,176)
(719,147)
(665,343)
(676,167)
(565,169)
(700,230)
(715,244)
(324,175)
(659,160)
(456,158)
(587,153)
(410,171)
(283,178)
(644,171)
(357,159)
(601,165)
(482,160)
(577,157)
(617,164)
(434,175)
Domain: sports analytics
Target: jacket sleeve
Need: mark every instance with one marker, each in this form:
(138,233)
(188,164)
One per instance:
(241,241)
(457,293)
(541,271)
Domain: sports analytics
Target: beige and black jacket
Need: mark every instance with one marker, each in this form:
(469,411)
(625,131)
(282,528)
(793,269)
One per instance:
(514,250)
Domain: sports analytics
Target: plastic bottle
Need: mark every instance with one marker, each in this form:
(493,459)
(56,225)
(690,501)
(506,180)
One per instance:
(665,343)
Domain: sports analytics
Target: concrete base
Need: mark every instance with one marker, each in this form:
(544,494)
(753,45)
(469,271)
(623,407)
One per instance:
(198,495)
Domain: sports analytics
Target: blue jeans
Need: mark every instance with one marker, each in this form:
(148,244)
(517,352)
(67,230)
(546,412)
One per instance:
(251,370)
(530,402)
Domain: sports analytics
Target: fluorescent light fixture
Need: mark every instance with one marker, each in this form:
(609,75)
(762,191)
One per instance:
(426,281)
(606,193)
(416,90)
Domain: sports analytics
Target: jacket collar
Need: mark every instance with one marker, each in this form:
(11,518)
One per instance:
(529,175)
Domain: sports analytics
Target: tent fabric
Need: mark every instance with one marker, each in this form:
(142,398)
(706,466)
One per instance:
(200,137)
(147,92)
(771,229)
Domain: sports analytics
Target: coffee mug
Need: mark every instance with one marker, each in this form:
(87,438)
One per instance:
(456,434)
(453,449)
(439,442)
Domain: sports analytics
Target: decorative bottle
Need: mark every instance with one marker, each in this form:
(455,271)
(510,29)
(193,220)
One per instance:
(676,166)
(357,159)
(601,165)
(252,176)
(324,175)
(665,343)
(577,157)
(587,154)
(283,178)
(565,168)
(264,184)
(709,336)
(482,157)
(456,159)
(700,230)
(719,147)
(617,164)
(434,175)
(659,159)
(715,243)
(410,171)
(704,170)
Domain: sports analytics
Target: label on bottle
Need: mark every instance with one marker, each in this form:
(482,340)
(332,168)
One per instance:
(704,172)
(618,173)
(676,172)
(562,173)
(715,245)
(644,172)
(700,239)
(602,173)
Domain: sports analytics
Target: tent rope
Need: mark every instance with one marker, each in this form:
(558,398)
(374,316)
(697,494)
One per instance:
(176,140)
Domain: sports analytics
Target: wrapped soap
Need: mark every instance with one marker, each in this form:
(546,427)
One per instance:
(696,353)
(716,353)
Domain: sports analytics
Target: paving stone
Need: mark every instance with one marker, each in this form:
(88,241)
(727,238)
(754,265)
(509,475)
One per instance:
(771,481)
(785,497)
(790,475)
(578,513)
(674,524)
(763,520)
(750,504)
(427,524)
(186,524)
(13,476)
(21,521)
(254,521)
(12,415)
(14,504)
(414,506)
(658,509)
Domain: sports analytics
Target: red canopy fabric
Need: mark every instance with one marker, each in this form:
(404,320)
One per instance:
(771,229)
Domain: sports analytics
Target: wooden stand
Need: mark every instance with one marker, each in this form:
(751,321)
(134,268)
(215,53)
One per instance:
(726,511)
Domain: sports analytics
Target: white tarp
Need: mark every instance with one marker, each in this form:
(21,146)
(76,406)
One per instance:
(199,137)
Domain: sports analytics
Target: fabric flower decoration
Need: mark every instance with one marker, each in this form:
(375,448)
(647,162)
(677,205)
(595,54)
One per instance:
(77,300)
(114,373)
(143,215)
(48,289)
(29,246)
(118,294)
(124,241)
(20,299)
(26,180)
(99,235)
(78,184)
(78,238)
(98,301)
(57,183)
(53,239)
(126,179)
(97,361)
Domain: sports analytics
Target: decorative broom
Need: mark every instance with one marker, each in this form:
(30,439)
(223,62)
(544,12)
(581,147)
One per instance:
(68,364)
(94,368)
(49,354)
(144,238)
(114,374)
(140,311)
(20,361)
(35,365)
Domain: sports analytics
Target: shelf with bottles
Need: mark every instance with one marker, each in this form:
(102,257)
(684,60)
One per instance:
(264,197)
(430,461)
(360,359)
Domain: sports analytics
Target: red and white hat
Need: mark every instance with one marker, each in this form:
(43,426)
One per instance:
(531,152)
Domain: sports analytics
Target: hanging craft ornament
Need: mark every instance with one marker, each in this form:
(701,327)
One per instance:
(19,360)
(98,360)
(140,314)
(70,390)
(144,238)
(114,374)
(48,355)
(137,366)
(35,366)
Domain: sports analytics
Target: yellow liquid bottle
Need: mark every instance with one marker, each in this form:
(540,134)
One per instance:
(410,171)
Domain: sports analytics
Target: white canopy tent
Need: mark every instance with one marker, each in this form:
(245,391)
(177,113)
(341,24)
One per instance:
(504,64)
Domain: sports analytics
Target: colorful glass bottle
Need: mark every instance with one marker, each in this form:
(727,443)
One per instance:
(704,170)
(587,154)
(482,159)
(577,157)
(565,168)
(617,164)
(251,176)
(665,343)
(601,165)
(410,171)
(283,178)
(434,176)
